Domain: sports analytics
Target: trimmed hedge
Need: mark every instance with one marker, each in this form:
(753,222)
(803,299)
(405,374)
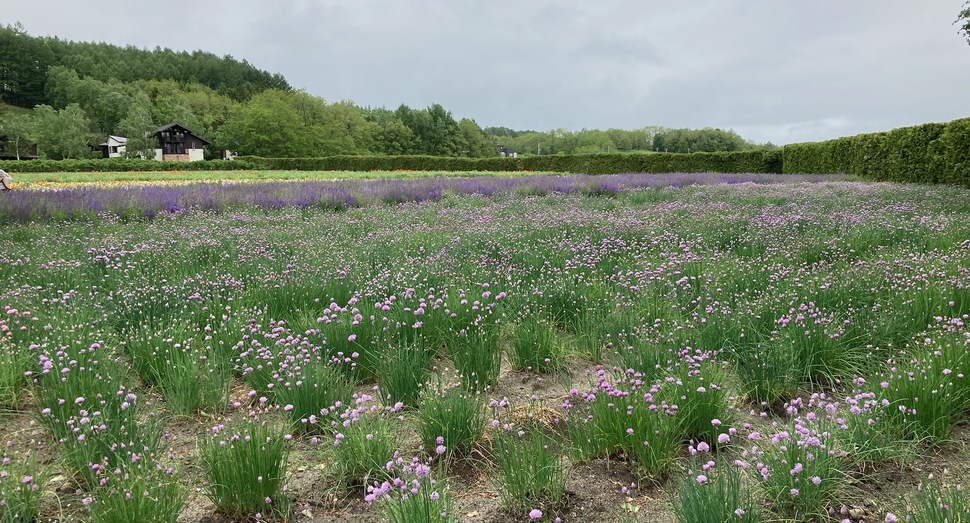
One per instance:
(119,165)
(768,162)
(929,153)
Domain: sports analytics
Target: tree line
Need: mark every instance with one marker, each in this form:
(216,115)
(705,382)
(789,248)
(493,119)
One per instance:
(643,140)
(25,61)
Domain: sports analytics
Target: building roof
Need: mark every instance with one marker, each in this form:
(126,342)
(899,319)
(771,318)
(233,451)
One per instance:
(120,140)
(182,127)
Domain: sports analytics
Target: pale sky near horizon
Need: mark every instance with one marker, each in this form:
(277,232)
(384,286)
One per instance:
(779,71)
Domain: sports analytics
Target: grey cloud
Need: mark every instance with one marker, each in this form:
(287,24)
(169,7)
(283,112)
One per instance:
(778,71)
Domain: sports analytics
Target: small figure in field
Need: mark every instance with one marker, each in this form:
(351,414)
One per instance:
(6,180)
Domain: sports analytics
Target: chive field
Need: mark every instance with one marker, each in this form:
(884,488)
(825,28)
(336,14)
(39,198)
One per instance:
(554,348)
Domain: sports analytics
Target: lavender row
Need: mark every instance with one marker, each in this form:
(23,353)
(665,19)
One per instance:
(148,201)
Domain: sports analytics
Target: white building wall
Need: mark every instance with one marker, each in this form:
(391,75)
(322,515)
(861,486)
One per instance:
(196,155)
(119,154)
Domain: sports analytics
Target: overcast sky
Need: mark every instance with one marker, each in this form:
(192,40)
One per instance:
(773,70)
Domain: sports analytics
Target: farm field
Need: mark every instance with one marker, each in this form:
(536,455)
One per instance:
(107,179)
(613,348)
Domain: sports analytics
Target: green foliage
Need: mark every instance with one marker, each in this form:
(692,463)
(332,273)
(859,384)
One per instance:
(928,153)
(105,103)
(804,471)
(698,140)
(266,124)
(63,134)
(145,493)
(476,144)
(112,440)
(245,470)
(364,445)
(19,131)
(402,373)
(108,165)
(21,486)
(925,393)
(416,495)
(734,162)
(297,124)
(535,347)
(456,417)
(139,127)
(530,472)
(939,504)
(714,492)
(15,360)
(311,399)
(477,357)
(26,60)
(623,418)
(699,394)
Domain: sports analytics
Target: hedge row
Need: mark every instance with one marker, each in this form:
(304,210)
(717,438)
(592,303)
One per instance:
(725,162)
(119,165)
(929,153)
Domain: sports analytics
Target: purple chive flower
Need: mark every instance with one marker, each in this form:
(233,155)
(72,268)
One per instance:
(535,514)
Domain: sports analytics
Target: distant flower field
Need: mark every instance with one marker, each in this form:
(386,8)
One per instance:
(113,179)
(683,348)
(144,199)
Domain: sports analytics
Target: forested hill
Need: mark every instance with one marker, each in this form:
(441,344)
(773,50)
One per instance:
(25,62)
(78,93)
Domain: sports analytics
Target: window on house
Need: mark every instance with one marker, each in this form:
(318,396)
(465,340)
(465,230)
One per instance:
(173,148)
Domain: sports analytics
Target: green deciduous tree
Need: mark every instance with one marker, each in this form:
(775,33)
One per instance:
(699,140)
(266,126)
(444,136)
(105,103)
(397,138)
(139,128)
(436,131)
(62,134)
(344,130)
(172,107)
(19,130)
(477,144)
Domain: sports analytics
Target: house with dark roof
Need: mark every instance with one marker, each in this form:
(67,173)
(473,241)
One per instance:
(178,144)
